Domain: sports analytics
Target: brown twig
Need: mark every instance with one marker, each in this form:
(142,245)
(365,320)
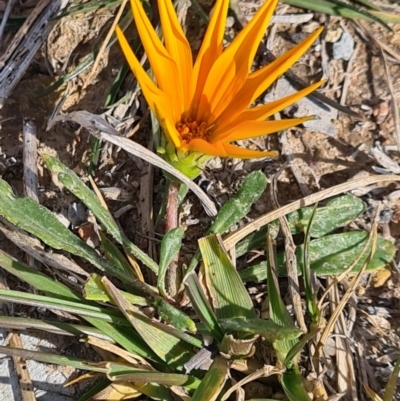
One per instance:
(173,277)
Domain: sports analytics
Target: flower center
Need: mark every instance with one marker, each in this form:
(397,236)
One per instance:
(189,129)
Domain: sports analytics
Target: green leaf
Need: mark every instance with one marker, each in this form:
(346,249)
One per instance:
(268,329)
(203,309)
(129,340)
(174,316)
(74,184)
(337,213)
(170,246)
(94,290)
(387,16)
(213,382)
(331,255)
(229,296)
(53,359)
(51,326)
(236,208)
(169,344)
(240,204)
(391,386)
(336,7)
(294,353)
(292,385)
(115,256)
(311,301)
(28,215)
(277,310)
(92,5)
(76,308)
(166,379)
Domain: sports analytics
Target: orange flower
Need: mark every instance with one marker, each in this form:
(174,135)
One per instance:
(204,106)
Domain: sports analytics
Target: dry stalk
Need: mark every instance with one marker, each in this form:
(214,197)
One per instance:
(105,43)
(291,263)
(231,240)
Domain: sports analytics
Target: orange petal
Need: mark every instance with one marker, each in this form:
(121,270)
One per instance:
(171,132)
(235,151)
(261,79)
(210,50)
(253,129)
(202,146)
(177,46)
(267,110)
(159,102)
(221,149)
(231,69)
(163,66)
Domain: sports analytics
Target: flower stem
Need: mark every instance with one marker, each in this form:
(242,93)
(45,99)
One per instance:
(174,276)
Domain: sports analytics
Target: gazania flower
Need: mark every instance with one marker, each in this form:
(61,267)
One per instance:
(204,107)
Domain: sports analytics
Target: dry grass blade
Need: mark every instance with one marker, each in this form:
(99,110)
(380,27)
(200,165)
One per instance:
(105,42)
(33,247)
(231,240)
(128,356)
(145,154)
(347,295)
(263,372)
(346,374)
(101,129)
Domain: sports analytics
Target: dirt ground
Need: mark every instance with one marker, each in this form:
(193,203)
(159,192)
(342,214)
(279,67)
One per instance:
(322,160)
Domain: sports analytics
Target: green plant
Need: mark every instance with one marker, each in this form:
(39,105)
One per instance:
(166,352)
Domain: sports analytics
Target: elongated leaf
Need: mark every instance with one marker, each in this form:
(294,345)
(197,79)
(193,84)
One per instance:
(337,213)
(229,296)
(94,291)
(213,381)
(51,326)
(236,208)
(390,17)
(277,310)
(170,246)
(268,329)
(240,204)
(173,316)
(53,358)
(89,6)
(129,340)
(311,301)
(391,386)
(293,386)
(331,255)
(336,7)
(28,215)
(74,184)
(115,256)
(165,341)
(203,309)
(294,353)
(75,308)
(167,379)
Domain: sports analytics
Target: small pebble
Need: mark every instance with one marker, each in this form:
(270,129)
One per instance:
(344,47)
